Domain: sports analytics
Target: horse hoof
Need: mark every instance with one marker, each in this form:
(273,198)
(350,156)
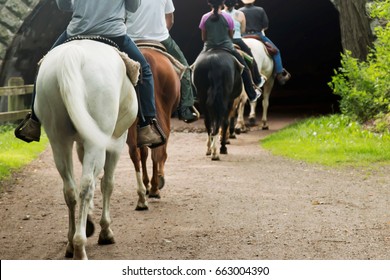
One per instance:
(232,136)
(103,241)
(69,251)
(106,239)
(215,158)
(223,151)
(265,127)
(161,182)
(237,131)
(141,208)
(227,142)
(156,195)
(69,255)
(90,227)
(252,121)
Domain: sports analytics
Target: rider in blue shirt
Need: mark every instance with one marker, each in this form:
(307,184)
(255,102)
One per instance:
(107,19)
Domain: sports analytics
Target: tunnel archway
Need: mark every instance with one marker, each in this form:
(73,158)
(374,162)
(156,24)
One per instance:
(307,33)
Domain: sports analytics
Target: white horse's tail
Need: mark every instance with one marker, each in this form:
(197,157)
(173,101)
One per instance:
(73,93)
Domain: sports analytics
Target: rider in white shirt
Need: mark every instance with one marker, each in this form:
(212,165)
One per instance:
(152,21)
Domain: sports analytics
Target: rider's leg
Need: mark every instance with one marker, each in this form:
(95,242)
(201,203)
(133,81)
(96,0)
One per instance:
(251,89)
(257,78)
(30,128)
(281,74)
(149,133)
(187,111)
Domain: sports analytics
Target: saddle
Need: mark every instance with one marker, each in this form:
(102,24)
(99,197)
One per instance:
(157,46)
(270,49)
(238,64)
(132,67)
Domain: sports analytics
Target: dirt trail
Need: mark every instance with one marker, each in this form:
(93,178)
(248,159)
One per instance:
(249,205)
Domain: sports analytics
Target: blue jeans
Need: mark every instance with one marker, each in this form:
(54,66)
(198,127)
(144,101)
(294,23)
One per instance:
(277,57)
(145,86)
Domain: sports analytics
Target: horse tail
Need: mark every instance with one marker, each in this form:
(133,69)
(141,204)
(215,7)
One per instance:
(214,100)
(73,93)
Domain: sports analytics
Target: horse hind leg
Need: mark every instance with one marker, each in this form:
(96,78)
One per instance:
(93,163)
(159,156)
(214,139)
(265,104)
(106,235)
(223,149)
(252,113)
(240,126)
(90,230)
(62,154)
(135,157)
(154,190)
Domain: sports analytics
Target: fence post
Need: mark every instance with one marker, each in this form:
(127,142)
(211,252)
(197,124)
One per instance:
(18,102)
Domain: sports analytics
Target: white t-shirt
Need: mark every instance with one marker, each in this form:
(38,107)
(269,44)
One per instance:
(148,22)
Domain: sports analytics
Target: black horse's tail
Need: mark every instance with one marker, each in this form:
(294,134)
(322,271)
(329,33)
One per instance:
(215,98)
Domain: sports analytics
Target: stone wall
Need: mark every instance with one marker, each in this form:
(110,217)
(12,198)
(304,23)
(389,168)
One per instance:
(12,16)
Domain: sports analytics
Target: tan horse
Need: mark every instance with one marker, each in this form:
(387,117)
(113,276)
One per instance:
(167,96)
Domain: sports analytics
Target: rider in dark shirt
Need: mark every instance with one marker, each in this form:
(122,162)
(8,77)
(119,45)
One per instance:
(256,24)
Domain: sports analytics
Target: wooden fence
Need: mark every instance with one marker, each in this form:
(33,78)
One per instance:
(16,102)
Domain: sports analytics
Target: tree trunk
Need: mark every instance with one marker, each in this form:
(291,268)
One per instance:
(356,33)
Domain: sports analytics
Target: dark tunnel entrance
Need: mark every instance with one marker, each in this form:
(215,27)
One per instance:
(307,33)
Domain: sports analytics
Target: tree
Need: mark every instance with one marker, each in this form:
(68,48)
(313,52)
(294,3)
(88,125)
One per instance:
(356,33)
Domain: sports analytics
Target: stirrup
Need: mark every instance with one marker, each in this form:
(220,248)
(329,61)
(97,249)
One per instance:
(160,131)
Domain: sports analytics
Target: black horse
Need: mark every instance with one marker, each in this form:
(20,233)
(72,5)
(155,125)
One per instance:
(217,79)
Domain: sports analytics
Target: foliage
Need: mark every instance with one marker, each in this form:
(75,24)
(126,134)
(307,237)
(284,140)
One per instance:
(15,153)
(364,86)
(333,140)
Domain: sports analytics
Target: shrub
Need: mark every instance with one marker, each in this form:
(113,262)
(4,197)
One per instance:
(364,86)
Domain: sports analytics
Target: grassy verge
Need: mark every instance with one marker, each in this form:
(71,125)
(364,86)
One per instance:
(332,141)
(15,153)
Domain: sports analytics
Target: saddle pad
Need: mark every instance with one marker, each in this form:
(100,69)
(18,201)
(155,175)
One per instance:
(177,65)
(132,67)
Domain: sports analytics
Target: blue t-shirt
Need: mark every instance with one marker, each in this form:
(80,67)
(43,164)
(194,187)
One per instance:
(96,17)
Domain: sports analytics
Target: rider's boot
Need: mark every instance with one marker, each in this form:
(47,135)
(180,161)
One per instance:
(150,135)
(28,130)
(283,77)
(188,114)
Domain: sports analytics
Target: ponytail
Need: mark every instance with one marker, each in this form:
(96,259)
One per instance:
(215,4)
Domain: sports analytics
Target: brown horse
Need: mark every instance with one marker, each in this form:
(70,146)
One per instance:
(167,96)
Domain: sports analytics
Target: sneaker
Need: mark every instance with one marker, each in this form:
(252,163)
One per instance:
(151,135)
(283,77)
(263,80)
(258,94)
(28,130)
(188,114)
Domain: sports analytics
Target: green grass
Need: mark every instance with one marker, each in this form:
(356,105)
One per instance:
(330,140)
(15,153)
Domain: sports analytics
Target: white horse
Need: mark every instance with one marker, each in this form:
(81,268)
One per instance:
(82,89)
(265,64)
